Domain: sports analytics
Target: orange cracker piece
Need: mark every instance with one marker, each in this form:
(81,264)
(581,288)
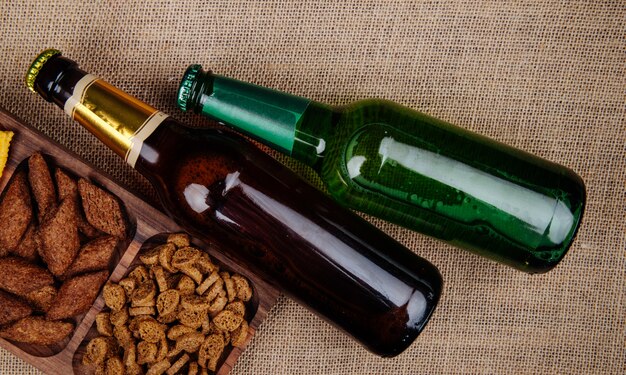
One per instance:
(37,330)
(5,142)
(15,213)
(76,295)
(41,185)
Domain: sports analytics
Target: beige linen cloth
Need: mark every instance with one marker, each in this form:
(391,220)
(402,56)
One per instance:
(545,76)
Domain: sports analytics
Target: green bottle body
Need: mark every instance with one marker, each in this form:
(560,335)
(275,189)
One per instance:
(419,172)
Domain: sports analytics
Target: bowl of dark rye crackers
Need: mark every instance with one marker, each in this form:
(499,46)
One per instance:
(173,311)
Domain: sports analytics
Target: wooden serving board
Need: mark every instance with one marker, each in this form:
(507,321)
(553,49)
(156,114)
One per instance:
(147,222)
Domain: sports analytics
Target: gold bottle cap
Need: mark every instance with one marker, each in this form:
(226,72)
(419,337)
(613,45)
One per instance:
(36,66)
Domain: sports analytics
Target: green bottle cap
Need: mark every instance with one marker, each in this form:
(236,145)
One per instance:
(185,90)
(36,66)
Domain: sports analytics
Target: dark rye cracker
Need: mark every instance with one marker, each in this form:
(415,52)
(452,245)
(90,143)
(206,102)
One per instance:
(58,238)
(15,213)
(12,308)
(28,247)
(37,330)
(76,295)
(20,277)
(67,187)
(102,209)
(42,186)
(93,256)
(42,298)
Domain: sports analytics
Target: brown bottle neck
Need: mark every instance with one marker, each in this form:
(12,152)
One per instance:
(119,120)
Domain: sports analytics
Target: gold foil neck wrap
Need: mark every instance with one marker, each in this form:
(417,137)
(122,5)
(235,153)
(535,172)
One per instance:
(109,113)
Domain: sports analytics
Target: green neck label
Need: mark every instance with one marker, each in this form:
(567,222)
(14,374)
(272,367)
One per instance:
(267,115)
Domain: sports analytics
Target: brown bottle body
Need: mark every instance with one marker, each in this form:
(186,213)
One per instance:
(224,190)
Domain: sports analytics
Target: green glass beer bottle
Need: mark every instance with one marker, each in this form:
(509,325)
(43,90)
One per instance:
(411,169)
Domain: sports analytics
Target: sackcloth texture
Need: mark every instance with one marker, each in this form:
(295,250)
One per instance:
(547,77)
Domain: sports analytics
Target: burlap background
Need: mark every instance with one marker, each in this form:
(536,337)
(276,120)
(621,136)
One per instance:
(545,76)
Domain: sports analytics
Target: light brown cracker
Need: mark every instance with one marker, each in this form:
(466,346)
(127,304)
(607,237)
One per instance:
(115,366)
(146,352)
(99,349)
(103,324)
(114,296)
(178,239)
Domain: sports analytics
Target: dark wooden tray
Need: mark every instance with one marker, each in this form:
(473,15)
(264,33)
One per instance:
(148,222)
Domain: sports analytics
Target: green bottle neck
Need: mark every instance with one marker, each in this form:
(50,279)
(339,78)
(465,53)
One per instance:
(290,124)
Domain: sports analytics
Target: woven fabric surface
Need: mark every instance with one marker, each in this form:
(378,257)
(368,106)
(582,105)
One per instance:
(547,77)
